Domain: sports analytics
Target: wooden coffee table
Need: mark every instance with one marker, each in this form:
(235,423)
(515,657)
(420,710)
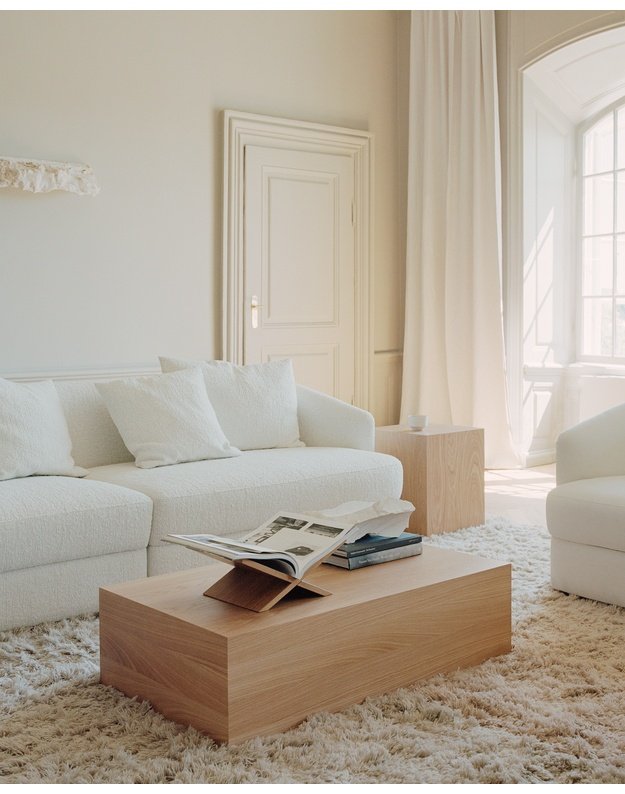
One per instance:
(234,674)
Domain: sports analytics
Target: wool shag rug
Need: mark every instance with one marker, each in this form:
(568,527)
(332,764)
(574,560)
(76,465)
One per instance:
(553,710)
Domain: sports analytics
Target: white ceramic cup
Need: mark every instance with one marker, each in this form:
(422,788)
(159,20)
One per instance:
(417,421)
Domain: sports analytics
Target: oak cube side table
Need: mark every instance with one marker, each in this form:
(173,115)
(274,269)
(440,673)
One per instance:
(443,474)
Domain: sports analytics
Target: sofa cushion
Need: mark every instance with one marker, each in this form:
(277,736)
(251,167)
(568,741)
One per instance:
(34,438)
(53,519)
(166,419)
(95,439)
(235,495)
(256,404)
(591,512)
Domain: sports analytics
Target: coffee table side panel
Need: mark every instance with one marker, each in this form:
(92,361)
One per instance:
(177,666)
(332,661)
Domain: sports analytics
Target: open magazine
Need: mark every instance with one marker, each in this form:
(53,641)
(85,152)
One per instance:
(294,543)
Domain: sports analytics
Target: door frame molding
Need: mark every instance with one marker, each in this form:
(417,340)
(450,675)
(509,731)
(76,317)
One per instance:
(242,129)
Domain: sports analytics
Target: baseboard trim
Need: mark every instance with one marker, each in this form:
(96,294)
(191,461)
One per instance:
(542,457)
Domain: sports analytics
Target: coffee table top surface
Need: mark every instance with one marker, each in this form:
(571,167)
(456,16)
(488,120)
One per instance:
(180,594)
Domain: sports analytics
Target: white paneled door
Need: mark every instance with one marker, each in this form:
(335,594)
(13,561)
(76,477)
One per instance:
(299,264)
(297,250)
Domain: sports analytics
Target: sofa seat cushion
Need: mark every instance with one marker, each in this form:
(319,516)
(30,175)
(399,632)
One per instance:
(45,520)
(234,495)
(591,512)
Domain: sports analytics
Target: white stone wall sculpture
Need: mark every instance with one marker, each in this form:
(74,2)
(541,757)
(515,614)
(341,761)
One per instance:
(42,176)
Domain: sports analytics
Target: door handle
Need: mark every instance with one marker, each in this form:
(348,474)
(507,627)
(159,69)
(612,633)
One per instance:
(255,306)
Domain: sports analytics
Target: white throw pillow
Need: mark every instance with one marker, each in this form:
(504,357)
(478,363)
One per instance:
(34,438)
(166,419)
(256,404)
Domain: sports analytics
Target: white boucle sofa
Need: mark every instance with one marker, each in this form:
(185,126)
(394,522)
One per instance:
(586,510)
(61,538)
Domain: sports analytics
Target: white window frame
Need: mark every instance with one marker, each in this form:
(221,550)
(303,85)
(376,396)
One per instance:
(582,129)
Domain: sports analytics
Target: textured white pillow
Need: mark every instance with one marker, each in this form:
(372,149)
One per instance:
(34,438)
(166,419)
(256,404)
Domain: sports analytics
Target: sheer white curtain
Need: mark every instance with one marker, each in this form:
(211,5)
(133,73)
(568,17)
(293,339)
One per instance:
(453,346)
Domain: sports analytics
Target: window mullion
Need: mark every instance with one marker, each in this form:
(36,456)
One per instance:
(590,314)
(614,226)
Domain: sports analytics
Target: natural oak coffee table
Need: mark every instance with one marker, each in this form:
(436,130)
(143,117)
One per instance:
(234,674)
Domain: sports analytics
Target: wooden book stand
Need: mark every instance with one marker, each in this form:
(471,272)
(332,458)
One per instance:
(257,587)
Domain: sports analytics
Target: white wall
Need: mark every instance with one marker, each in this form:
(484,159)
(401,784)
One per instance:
(113,281)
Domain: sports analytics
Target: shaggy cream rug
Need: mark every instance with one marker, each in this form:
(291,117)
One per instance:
(553,710)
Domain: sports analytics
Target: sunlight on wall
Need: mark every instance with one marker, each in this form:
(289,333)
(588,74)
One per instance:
(548,262)
(538,294)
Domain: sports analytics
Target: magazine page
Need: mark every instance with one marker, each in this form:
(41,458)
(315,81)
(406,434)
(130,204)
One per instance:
(226,546)
(388,517)
(306,540)
(224,549)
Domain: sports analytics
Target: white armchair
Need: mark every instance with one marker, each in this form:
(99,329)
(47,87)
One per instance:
(586,511)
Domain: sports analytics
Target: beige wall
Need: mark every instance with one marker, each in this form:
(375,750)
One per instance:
(113,281)
(388,360)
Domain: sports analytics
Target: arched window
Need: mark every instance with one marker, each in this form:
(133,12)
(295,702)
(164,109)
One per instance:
(602,223)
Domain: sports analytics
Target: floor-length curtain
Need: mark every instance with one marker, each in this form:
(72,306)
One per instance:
(453,346)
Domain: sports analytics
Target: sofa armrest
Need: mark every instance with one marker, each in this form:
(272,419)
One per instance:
(325,421)
(594,448)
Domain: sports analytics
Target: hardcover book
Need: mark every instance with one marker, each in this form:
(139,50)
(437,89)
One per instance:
(371,543)
(373,558)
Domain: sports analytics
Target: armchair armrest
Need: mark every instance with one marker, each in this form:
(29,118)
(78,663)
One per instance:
(594,448)
(325,421)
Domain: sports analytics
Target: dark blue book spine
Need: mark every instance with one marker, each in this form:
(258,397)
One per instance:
(350,550)
(386,555)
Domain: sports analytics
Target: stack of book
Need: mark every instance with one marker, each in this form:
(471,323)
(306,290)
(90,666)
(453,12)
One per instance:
(373,549)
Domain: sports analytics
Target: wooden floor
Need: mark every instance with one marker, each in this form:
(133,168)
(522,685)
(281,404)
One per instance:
(519,494)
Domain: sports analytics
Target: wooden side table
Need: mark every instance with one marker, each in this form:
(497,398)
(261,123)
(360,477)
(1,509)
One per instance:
(443,474)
